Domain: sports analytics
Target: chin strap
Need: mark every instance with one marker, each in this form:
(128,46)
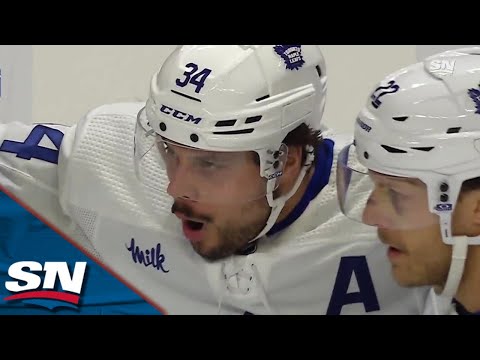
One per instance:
(459,255)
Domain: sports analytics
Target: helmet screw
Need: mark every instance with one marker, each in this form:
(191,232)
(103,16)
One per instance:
(194,137)
(444,187)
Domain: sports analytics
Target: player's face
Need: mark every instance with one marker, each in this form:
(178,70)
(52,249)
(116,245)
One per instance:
(218,197)
(398,207)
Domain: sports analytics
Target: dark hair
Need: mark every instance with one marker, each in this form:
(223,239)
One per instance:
(470,185)
(304,135)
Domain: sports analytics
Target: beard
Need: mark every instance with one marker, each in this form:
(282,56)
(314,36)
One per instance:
(230,236)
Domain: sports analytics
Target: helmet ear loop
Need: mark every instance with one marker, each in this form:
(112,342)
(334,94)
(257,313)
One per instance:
(273,163)
(443,195)
(272,185)
(447,192)
(272,173)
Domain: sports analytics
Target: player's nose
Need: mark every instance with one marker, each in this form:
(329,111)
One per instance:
(374,214)
(181,184)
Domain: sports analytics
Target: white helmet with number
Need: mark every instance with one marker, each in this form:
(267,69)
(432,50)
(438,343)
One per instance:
(236,98)
(423,122)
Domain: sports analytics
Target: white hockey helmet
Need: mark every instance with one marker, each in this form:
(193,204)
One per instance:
(422,122)
(236,98)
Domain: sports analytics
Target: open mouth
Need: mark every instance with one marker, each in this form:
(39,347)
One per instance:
(194,229)
(394,253)
(194,225)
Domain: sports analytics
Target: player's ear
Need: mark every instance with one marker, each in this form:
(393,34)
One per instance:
(475,195)
(467,213)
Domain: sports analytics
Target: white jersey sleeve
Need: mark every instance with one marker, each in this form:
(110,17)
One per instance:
(29,158)
(34,162)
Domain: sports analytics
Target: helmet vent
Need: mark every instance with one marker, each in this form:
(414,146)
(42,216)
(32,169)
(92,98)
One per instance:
(393,150)
(225,123)
(253,119)
(423,148)
(454,130)
(400,118)
(319,71)
(262,98)
(234,132)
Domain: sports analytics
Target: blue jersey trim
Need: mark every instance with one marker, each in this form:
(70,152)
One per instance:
(321,176)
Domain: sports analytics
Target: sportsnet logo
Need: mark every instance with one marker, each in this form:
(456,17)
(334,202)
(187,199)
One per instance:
(442,67)
(27,284)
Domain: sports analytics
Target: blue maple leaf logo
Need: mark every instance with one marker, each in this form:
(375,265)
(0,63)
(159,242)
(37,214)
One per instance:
(475,96)
(291,54)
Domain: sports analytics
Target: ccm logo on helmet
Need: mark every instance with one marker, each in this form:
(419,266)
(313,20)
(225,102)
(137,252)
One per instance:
(177,114)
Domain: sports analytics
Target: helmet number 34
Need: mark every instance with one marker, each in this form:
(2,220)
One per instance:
(194,76)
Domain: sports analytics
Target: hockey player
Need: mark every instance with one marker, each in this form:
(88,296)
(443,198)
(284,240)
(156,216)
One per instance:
(418,139)
(217,195)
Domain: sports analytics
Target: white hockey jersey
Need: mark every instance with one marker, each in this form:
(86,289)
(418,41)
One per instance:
(323,263)
(438,304)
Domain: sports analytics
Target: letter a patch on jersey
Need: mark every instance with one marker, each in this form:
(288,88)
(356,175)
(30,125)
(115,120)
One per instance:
(366,293)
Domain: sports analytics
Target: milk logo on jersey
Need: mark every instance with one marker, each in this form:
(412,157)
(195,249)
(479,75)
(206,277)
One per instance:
(291,55)
(180,115)
(475,96)
(152,257)
(442,67)
(36,283)
(391,88)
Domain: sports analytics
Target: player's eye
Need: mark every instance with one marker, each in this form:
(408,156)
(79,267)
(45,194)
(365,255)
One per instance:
(396,199)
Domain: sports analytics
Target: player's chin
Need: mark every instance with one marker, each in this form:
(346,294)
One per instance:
(210,254)
(213,250)
(207,248)
(405,278)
